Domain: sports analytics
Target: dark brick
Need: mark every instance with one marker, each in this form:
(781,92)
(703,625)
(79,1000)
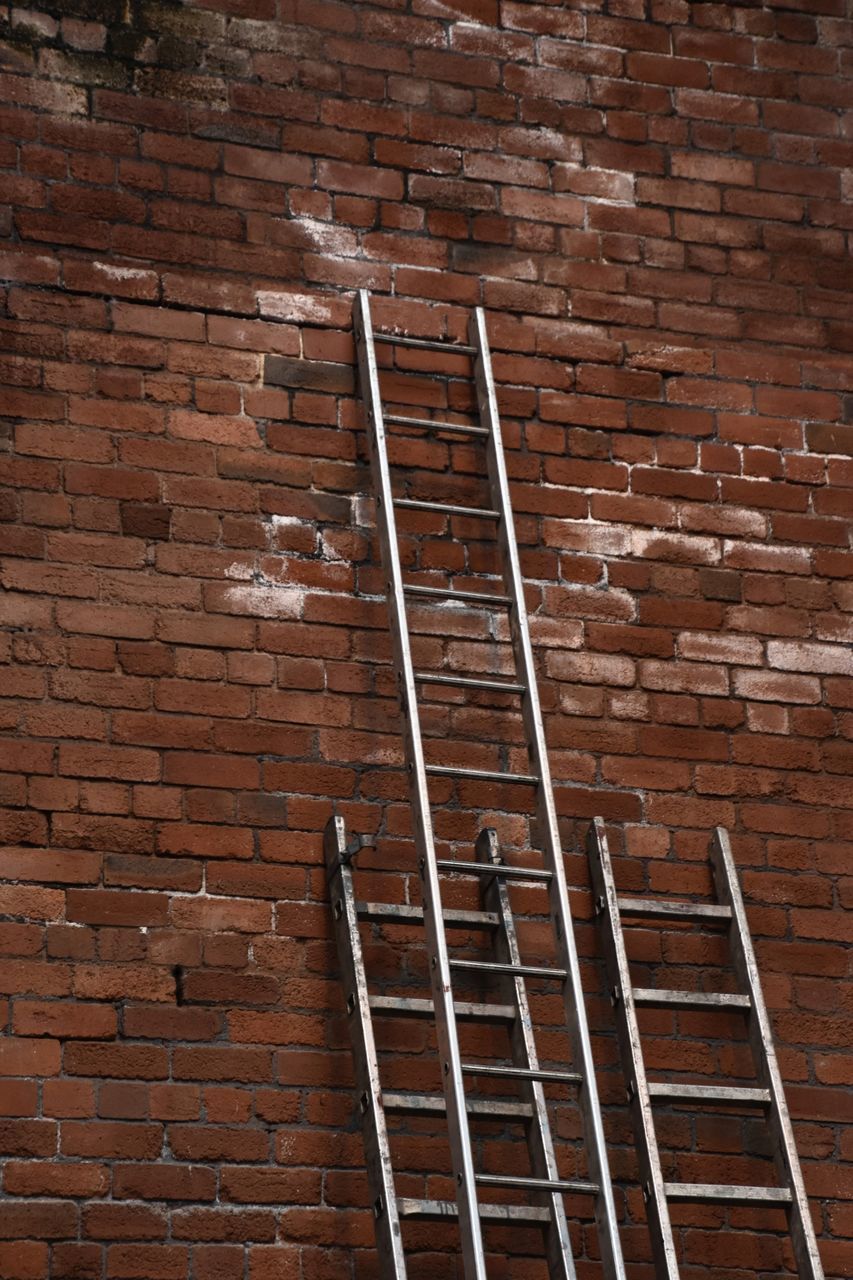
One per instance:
(150,520)
(830,437)
(720,584)
(313,375)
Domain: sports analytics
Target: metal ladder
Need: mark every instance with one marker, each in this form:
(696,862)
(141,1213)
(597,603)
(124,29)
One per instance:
(375,1103)
(545,1185)
(768,1097)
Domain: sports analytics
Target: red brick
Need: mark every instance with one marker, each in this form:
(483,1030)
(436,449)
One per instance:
(43,1179)
(63,1020)
(52,1219)
(116,1140)
(212,914)
(219,1143)
(28,1057)
(118,981)
(109,762)
(54,866)
(117,1222)
(106,907)
(147,1262)
(168,1182)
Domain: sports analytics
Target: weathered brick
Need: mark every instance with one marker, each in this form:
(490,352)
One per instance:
(651,205)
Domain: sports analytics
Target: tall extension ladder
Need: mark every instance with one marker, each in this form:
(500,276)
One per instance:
(545,1186)
(768,1097)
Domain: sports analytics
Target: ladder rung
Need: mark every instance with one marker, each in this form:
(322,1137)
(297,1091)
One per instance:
(714,1095)
(722,1194)
(492,869)
(520,1215)
(482,775)
(521,1073)
(446,508)
(538,1184)
(660,998)
(515,970)
(450,593)
(426,344)
(470,682)
(414,1104)
(461,428)
(466,1010)
(399,913)
(693,912)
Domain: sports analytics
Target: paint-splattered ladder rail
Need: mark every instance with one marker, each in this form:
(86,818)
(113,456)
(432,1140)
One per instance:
(545,1189)
(643,1094)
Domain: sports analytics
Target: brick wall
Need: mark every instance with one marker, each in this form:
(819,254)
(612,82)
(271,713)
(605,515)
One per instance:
(652,200)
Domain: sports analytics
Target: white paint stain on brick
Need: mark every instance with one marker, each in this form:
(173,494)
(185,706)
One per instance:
(679,548)
(121,273)
(363,511)
(298,308)
(38,21)
(777,686)
(327,237)
(285,522)
(684,677)
(587,535)
(711,646)
(238,570)
(330,552)
(763,557)
(264,602)
(797,655)
(444,9)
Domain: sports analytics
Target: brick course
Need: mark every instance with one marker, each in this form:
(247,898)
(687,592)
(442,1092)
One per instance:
(651,198)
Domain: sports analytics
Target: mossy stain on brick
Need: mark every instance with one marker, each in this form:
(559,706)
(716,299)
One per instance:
(136,35)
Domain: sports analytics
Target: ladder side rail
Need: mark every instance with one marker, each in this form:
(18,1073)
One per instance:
(631,1053)
(549,835)
(380,1174)
(767,1067)
(543,1159)
(446,1030)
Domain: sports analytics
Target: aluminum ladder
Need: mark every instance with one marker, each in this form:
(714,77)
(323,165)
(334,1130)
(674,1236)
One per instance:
(545,1186)
(643,1094)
